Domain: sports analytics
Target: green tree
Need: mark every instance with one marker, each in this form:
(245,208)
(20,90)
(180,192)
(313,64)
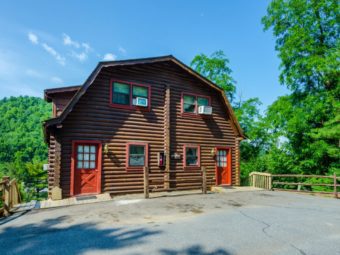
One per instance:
(216,68)
(22,149)
(307,40)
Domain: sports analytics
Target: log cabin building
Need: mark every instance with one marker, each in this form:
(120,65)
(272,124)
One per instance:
(154,112)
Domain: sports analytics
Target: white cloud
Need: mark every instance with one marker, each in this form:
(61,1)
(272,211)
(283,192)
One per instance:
(68,41)
(83,48)
(33,38)
(122,50)
(86,46)
(109,57)
(60,59)
(57,80)
(80,56)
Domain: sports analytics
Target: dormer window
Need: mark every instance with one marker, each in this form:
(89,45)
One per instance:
(130,95)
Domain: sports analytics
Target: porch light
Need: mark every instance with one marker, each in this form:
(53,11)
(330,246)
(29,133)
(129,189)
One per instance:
(106,148)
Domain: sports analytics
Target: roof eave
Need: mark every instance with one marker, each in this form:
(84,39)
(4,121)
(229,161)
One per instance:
(52,91)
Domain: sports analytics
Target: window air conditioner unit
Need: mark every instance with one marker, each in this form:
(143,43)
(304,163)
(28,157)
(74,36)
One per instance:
(140,101)
(206,110)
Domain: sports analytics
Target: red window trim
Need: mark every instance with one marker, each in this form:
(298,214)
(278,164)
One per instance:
(131,106)
(73,162)
(199,156)
(195,114)
(146,151)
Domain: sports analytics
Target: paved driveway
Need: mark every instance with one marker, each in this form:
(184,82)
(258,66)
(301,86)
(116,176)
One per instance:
(259,222)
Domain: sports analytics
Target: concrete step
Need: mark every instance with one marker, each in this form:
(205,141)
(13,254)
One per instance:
(24,206)
(74,200)
(229,189)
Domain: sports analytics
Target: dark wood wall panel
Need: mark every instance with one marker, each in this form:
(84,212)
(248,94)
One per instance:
(51,160)
(94,119)
(60,101)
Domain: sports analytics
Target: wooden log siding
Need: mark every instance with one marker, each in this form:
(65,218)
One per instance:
(167,142)
(60,101)
(51,161)
(93,118)
(237,162)
(54,163)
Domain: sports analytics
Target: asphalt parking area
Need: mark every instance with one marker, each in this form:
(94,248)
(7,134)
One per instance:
(254,222)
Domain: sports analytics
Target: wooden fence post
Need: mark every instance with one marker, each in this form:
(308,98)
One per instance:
(6,195)
(204,180)
(146,182)
(270,182)
(335,185)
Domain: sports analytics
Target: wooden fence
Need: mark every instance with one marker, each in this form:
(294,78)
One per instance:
(201,179)
(271,182)
(261,180)
(10,195)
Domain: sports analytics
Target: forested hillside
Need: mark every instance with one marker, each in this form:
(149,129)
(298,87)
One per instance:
(22,149)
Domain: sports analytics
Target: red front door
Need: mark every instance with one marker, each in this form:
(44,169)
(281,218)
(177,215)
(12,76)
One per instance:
(86,168)
(223,166)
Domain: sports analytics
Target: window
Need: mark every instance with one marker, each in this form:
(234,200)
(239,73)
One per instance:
(191,156)
(121,93)
(138,91)
(221,158)
(125,94)
(189,104)
(137,155)
(192,102)
(86,156)
(202,101)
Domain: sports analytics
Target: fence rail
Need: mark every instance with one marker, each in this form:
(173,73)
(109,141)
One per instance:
(147,181)
(10,195)
(266,181)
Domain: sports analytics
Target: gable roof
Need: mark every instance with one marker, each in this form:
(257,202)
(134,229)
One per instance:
(48,93)
(169,58)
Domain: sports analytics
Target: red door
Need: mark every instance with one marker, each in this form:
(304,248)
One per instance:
(86,168)
(223,166)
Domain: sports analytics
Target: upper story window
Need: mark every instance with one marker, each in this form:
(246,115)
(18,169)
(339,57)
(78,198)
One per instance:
(121,93)
(192,102)
(138,91)
(130,95)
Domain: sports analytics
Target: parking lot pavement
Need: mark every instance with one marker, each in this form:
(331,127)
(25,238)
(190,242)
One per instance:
(254,222)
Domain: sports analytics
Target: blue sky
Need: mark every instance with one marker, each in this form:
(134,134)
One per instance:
(47,44)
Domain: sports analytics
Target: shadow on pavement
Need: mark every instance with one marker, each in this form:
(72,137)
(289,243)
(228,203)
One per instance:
(56,236)
(194,250)
(14,216)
